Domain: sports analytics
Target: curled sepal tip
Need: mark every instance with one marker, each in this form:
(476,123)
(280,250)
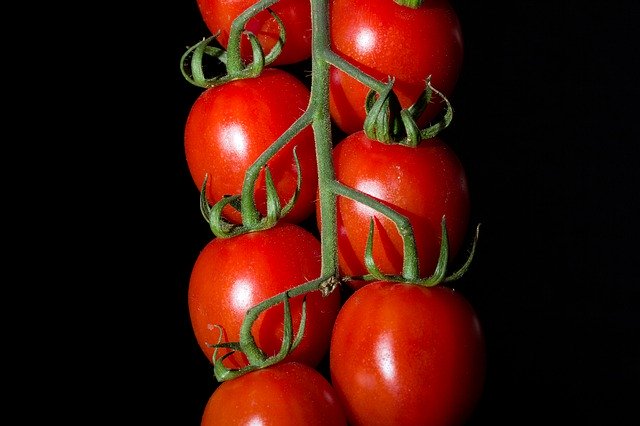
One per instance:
(446,119)
(372,268)
(443,259)
(205,208)
(369,262)
(282,38)
(463,269)
(292,201)
(255,67)
(273,201)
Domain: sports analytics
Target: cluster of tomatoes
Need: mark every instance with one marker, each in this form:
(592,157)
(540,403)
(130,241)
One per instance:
(395,352)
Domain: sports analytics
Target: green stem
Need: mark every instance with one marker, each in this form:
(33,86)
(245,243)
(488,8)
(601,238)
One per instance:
(410,267)
(321,50)
(355,72)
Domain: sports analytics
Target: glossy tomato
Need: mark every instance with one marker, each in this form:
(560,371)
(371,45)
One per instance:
(218,15)
(403,354)
(385,39)
(234,274)
(423,183)
(230,126)
(286,394)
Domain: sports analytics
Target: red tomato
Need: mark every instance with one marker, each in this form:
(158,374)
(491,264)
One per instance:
(385,39)
(284,394)
(403,354)
(218,15)
(234,274)
(231,125)
(423,183)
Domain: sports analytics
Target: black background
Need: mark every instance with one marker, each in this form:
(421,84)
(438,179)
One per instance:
(546,124)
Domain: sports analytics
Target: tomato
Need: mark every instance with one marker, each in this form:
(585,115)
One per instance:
(234,274)
(284,394)
(218,15)
(406,354)
(423,183)
(385,39)
(229,127)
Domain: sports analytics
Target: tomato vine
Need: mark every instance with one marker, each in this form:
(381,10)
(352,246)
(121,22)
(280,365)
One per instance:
(386,122)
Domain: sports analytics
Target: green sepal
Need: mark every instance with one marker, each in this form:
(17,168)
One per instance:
(218,225)
(303,324)
(222,373)
(287,338)
(369,262)
(282,37)
(273,201)
(292,201)
(443,259)
(192,60)
(382,109)
(437,127)
(413,133)
(255,67)
(205,208)
(412,4)
(463,269)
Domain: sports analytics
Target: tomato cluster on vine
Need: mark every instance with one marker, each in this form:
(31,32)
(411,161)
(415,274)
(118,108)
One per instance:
(337,209)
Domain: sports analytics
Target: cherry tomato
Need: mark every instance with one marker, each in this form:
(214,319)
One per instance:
(423,183)
(218,15)
(403,354)
(234,274)
(385,39)
(286,394)
(230,126)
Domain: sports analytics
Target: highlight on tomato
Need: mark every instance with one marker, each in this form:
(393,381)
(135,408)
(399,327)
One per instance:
(218,15)
(229,126)
(386,39)
(285,394)
(232,275)
(406,354)
(424,183)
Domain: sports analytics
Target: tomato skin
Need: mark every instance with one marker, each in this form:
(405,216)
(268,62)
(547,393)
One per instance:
(385,39)
(407,354)
(423,183)
(286,394)
(230,126)
(234,274)
(218,15)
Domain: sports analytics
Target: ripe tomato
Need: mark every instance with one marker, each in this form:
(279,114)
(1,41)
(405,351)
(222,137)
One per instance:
(218,15)
(230,126)
(284,394)
(385,39)
(234,274)
(403,354)
(423,183)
